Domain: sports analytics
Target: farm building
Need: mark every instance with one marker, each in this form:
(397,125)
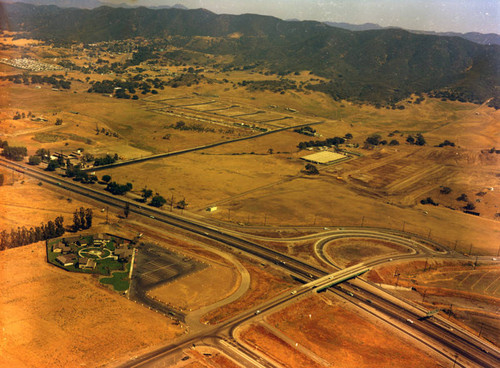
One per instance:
(325,157)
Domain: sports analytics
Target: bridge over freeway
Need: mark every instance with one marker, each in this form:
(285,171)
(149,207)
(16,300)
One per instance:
(323,283)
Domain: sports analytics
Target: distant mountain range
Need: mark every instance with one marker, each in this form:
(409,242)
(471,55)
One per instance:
(90,4)
(481,38)
(383,65)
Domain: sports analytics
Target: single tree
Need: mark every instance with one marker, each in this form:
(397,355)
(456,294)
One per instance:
(158,201)
(146,193)
(311,170)
(126,210)
(88,218)
(77,222)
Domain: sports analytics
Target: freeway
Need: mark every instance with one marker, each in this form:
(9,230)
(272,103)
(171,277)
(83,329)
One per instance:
(476,351)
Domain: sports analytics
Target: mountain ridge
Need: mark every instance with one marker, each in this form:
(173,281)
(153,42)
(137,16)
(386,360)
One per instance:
(374,65)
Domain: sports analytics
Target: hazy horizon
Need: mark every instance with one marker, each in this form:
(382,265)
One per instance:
(443,16)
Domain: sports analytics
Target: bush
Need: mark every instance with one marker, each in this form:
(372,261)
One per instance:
(429,200)
(34,160)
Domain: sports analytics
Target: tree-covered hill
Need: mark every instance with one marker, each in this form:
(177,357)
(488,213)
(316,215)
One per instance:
(376,65)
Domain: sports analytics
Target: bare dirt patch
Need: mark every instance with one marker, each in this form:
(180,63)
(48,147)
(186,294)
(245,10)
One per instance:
(264,340)
(263,285)
(200,289)
(54,318)
(338,334)
(347,252)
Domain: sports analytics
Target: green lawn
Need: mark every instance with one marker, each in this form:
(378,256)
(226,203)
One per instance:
(119,280)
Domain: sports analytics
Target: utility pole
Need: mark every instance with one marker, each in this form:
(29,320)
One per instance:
(456,243)
(107,218)
(404,223)
(265,219)
(470,249)
(362,221)
(314,223)
(397,274)
(429,235)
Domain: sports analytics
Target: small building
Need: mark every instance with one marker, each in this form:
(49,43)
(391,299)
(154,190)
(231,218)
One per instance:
(58,247)
(65,249)
(123,254)
(211,208)
(66,260)
(86,263)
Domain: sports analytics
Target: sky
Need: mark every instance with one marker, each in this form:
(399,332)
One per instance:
(429,15)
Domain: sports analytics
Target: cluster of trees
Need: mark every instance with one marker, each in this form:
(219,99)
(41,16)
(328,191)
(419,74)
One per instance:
(158,201)
(180,125)
(376,140)
(13,153)
(75,171)
(464,198)
(185,79)
(121,88)
(22,115)
(328,142)
(106,160)
(307,130)
(82,219)
(106,132)
(446,143)
(418,140)
(57,81)
(118,189)
(23,236)
(455,95)
(275,86)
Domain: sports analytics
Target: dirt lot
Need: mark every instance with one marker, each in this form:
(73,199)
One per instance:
(263,285)
(346,252)
(197,290)
(54,318)
(325,329)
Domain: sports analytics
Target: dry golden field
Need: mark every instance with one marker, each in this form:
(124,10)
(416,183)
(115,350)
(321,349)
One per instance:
(319,329)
